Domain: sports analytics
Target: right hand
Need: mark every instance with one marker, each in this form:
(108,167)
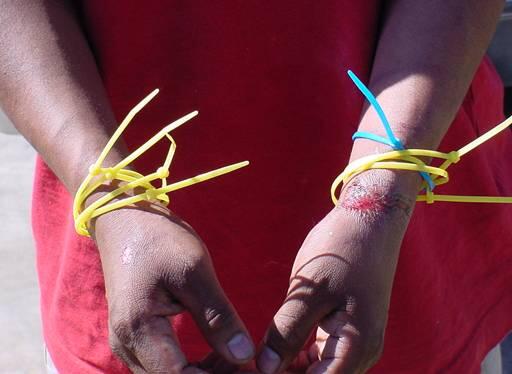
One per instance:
(155,266)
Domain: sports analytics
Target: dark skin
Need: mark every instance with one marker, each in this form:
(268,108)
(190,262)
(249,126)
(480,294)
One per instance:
(342,276)
(52,91)
(426,56)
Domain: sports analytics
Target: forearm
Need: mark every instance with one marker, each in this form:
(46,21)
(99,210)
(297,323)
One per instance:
(426,57)
(50,86)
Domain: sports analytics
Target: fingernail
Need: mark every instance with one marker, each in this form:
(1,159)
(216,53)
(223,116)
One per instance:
(269,361)
(241,347)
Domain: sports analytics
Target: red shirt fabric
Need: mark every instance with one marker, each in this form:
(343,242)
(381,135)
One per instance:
(269,81)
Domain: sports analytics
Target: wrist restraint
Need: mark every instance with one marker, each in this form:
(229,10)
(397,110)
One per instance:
(407,159)
(400,158)
(98,174)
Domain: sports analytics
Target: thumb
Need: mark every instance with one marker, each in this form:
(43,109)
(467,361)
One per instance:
(289,331)
(216,318)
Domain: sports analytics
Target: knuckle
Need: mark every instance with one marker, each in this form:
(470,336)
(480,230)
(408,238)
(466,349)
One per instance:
(126,330)
(192,267)
(320,280)
(219,317)
(187,272)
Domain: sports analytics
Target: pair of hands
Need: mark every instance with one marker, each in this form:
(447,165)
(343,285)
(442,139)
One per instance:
(155,266)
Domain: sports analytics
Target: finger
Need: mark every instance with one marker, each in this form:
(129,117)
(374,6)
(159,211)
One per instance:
(337,356)
(127,357)
(215,363)
(341,338)
(327,366)
(300,363)
(340,346)
(216,318)
(291,327)
(313,353)
(192,370)
(152,343)
(318,346)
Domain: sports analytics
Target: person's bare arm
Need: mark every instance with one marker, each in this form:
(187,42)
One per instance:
(426,58)
(341,281)
(50,86)
(51,89)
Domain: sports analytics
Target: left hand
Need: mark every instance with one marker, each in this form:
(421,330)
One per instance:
(341,284)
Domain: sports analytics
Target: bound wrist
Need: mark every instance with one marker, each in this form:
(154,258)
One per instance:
(381,193)
(147,206)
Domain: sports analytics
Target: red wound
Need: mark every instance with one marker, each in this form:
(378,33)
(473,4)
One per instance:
(372,199)
(368,200)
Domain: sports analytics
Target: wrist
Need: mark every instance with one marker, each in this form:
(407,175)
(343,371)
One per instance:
(119,217)
(79,167)
(375,193)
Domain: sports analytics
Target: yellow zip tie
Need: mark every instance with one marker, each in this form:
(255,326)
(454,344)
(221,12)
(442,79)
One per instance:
(408,160)
(130,179)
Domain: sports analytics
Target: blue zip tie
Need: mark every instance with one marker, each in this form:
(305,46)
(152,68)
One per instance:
(375,138)
(392,141)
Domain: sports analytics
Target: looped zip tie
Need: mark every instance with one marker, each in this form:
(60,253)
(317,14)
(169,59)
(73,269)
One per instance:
(407,159)
(392,140)
(130,179)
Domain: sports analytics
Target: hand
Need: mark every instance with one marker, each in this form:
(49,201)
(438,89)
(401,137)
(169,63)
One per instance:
(341,283)
(155,266)
(213,363)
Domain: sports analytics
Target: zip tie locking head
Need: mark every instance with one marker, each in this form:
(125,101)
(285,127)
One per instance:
(453,157)
(162,172)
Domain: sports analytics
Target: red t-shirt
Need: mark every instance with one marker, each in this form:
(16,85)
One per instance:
(269,81)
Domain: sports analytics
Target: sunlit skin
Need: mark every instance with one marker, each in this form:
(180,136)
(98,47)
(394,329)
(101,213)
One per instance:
(342,276)
(373,199)
(366,201)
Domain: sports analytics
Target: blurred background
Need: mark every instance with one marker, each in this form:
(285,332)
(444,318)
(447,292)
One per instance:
(21,345)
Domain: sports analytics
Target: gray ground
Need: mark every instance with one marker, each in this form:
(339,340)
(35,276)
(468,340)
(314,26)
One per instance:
(21,345)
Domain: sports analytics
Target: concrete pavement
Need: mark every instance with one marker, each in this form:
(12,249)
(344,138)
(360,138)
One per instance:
(21,344)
